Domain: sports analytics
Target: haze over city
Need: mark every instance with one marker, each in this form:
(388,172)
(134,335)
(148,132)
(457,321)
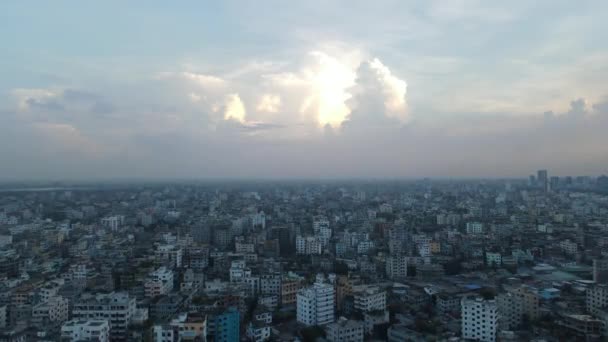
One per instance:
(315,89)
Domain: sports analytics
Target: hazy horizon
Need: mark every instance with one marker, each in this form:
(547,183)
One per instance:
(295,91)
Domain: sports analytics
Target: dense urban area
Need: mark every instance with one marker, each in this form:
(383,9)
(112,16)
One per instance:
(420,260)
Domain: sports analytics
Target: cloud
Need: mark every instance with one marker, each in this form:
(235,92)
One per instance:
(377,94)
(234,108)
(35,97)
(269,103)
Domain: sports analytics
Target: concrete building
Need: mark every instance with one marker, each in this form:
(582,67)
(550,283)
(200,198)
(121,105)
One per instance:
(159,282)
(600,271)
(53,312)
(474,228)
(510,310)
(479,319)
(117,307)
(345,330)
(113,222)
(186,327)
(308,245)
(290,285)
(369,298)
(596,298)
(96,330)
(227,325)
(493,259)
(396,267)
(316,304)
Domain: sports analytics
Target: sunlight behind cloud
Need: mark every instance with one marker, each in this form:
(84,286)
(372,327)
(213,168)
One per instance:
(235,109)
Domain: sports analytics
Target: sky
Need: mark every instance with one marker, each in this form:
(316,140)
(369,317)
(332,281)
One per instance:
(302,89)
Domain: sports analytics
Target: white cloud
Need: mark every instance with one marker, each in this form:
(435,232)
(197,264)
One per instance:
(269,103)
(234,108)
(394,91)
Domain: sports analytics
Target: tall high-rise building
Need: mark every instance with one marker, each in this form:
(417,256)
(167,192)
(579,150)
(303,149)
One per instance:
(600,271)
(316,304)
(597,298)
(479,319)
(543,180)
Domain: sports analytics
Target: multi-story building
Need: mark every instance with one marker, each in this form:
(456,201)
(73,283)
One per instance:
(597,298)
(159,282)
(258,331)
(479,319)
(316,304)
(600,271)
(569,247)
(53,312)
(308,245)
(170,255)
(185,327)
(345,330)
(96,330)
(270,284)
(493,259)
(290,285)
(113,222)
(530,302)
(474,228)
(396,267)
(227,325)
(117,307)
(369,298)
(510,310)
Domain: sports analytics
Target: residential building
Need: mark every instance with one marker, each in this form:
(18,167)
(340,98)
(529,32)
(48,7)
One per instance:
(95,330)
(479,320)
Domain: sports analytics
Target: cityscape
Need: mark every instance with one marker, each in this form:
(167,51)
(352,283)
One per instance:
(304,171)
(419,260)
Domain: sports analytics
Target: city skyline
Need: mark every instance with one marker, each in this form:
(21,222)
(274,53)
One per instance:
(315,90)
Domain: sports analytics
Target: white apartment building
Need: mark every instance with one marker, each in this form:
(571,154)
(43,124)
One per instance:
(568,246)
(345,330)
(474,228)
(364,247)
(86,330)
(170,254)
(597,298)
(308,245)
(479,319)
(396,267)
(315,304)
(238,271)
(159,282)
(113,222)
(116,307)
(369,298)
